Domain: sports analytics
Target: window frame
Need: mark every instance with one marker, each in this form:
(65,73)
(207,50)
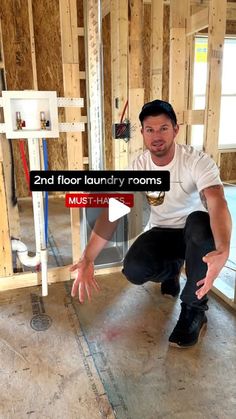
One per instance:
(230,147)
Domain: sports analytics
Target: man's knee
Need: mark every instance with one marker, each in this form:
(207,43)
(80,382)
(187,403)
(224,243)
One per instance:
(135,271)
(197,228)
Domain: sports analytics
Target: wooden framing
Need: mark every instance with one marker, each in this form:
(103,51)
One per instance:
(106,7)
(216,35)
(177,97)
(198,21)
(231,11)
(2,62)
(156,71)
(194,117)
(5,241)
(30,279)
(119,71)
(127,56)
(71,80)
(136,98)
(72,75)
(32,44)
(136,90)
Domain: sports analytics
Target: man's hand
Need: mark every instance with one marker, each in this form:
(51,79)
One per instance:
(85,281)
(215,262)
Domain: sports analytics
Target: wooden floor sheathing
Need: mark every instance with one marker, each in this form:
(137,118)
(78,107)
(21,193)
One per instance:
(50,373)
(110,358)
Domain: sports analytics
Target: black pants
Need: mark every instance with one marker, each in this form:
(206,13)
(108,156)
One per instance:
(159,253)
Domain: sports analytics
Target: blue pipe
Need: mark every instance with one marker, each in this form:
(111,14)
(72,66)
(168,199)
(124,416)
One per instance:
(45,157)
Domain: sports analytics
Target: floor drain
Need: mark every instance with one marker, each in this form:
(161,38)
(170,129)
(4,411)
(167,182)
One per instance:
(41,322)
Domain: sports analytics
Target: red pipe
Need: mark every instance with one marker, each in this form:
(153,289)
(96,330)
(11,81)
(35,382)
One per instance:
(24,162)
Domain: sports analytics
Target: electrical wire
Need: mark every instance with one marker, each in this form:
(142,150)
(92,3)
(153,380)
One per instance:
(123,113)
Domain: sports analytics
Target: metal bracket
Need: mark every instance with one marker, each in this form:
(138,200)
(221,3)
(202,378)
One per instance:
(71,126)
(63,127)
(70,102)
(63,102)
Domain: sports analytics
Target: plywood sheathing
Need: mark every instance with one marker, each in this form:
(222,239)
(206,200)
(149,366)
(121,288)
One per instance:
(48,373)
(19,75)
(12,207)
(46,21)
(16,40)
(149,379)
(6,159)
(47,36)
(228,166)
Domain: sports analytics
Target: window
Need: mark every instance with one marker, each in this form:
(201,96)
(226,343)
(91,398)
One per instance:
(227,133)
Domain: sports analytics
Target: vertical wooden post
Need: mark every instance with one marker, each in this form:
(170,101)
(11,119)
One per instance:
(177,96)
(189,81)
(119,68)
(32,44)
(136,90)
(216,35)
(136,99)
(7,210)
(71,79)
(157,16)
(189,71)
(5,240)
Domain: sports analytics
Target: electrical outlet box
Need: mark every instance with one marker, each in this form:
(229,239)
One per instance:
(121,130)
(23,112)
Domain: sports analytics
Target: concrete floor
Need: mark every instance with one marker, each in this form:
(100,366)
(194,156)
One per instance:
(110,358)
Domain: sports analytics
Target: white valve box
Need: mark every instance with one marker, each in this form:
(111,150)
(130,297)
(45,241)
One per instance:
(24,110)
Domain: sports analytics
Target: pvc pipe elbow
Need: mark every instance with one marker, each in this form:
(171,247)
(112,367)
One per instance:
(22,253)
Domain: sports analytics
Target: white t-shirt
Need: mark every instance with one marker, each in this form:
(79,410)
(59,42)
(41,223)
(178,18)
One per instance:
(190,172)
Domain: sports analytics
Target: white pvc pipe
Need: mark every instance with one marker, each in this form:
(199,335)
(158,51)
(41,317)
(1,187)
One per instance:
(37,197)
(44,268)
(22,253)
(34,158)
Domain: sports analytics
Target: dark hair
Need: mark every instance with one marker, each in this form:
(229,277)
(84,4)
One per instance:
(157,107)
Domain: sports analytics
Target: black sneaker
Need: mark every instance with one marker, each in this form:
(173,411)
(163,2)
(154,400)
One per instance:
(188,328)
(170,287)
